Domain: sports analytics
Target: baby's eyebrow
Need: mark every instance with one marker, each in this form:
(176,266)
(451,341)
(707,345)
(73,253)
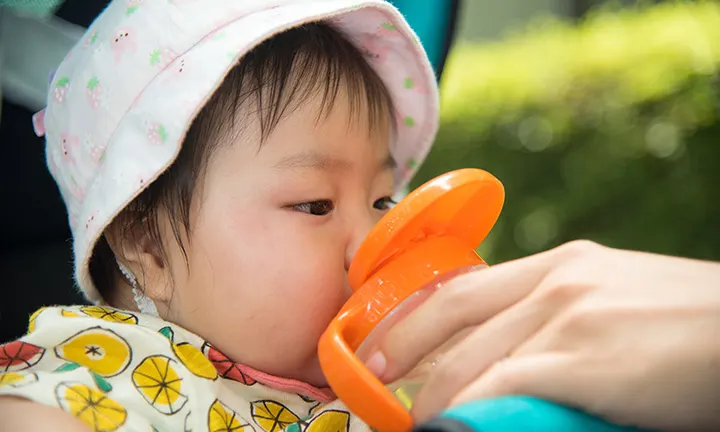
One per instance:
(322,161)
(314,160)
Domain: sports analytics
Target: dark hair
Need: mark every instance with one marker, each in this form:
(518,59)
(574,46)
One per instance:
(271,81)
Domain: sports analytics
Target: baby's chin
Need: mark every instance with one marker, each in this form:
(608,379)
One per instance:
(313,374)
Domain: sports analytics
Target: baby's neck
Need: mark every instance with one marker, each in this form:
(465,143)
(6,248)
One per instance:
(120,296)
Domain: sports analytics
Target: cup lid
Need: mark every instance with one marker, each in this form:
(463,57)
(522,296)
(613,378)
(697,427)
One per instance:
(464,204)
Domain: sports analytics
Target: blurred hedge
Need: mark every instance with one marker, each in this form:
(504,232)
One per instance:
(608,130)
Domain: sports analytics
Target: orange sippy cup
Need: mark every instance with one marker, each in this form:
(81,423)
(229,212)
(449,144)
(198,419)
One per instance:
(430,236)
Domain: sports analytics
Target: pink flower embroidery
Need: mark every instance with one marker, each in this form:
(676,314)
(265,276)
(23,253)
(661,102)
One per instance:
(157,134)
(61,89)
(132,6)
(403,120)
(94,92)
(90,40)
(375,47)
(97,154)
(161,57)
(387,30)
(410,166)
(416,85)
(96,151)
(123,42)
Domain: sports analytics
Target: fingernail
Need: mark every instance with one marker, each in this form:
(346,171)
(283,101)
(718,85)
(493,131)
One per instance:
(377,364)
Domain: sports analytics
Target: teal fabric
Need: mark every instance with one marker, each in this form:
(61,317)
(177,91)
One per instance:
(430,19)
(527,414)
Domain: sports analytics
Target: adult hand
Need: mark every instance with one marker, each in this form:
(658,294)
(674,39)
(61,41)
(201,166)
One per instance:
(631,337)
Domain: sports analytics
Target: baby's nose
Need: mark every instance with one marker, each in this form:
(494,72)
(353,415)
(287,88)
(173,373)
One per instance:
(360,232)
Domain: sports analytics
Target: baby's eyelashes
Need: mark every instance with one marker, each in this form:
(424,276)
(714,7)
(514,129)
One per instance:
(384,203)
(315,208)
(325,207)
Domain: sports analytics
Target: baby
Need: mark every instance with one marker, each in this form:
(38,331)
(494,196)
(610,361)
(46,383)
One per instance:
(221,161)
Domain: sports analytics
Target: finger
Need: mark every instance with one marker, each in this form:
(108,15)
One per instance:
(466,301)
(621,390)
(487,345)
(551,376)
(496,339)
(596,386)
(566,379)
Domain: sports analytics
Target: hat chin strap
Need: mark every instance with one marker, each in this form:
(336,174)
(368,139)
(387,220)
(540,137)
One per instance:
(143,302)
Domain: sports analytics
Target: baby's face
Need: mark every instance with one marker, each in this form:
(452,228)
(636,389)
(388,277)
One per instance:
(273,234)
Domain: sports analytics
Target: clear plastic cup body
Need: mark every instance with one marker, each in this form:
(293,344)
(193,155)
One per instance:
(406,388)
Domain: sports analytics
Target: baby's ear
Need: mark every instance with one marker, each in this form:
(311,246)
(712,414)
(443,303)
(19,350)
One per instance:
(142,255)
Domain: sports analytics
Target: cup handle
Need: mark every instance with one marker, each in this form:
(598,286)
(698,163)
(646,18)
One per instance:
(354,384)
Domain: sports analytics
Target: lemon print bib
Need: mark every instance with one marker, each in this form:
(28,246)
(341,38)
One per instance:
(121,371)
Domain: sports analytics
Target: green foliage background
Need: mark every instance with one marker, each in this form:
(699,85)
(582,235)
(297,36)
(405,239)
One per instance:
(608,130)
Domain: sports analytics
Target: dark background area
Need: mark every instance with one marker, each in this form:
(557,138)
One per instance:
(35,245)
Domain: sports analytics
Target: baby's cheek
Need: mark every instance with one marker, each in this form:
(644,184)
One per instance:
(311,299)
(281,310)
(265,296)
(317,293)
(330,298)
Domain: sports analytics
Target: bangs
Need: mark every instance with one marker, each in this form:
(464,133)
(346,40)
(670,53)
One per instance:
(291,69)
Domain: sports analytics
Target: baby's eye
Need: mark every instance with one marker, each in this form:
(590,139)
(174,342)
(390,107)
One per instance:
(384,203)
(316,208)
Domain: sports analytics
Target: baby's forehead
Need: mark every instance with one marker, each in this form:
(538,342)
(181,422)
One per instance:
(314,136)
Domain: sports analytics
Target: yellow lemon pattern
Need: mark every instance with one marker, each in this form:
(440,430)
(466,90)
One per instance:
(33,318)
(223,419)
(330,421)
(91,406)
(16,379)
(158,382)
(69,314)
(109,314)
(101,350)
(195,361)
(272,416)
